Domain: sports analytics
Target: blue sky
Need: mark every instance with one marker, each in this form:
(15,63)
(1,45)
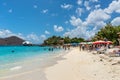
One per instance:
(36,20)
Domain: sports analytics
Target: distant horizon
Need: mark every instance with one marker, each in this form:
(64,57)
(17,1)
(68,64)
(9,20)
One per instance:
(36,20)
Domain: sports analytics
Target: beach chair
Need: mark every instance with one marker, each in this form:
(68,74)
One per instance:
(118,53)
(101,51)
(112,54)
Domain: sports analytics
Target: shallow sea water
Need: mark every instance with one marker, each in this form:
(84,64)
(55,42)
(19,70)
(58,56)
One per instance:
(21,59)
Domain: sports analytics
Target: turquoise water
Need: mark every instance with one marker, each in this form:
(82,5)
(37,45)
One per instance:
(10,55)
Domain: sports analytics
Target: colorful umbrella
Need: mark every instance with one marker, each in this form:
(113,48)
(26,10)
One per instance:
(102,42)
(99,42)
(109,42)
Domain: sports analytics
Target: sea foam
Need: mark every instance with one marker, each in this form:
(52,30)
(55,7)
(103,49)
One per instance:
(16,68)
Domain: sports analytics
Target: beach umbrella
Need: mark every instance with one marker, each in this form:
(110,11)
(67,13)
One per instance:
(109,42)
(99,42)
(83,43)
(89,42)
(102,42)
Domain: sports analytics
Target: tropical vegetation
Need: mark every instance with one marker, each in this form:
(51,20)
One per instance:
(57,40)
(109,32)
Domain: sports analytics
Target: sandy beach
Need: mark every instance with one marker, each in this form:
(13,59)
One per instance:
(84,66)
(59,39)
(75,65)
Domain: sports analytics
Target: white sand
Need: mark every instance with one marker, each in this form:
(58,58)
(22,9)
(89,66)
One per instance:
(83,66)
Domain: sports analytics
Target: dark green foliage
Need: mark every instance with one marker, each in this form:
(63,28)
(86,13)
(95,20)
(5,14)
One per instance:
(57,40)
(67,40)
(109,32)
(54,40)
(77,40)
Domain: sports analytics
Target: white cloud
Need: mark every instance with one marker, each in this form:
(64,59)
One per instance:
(35,6)
(30,37)
(66,22)
(35,38)
(95,20)
(85,29)
(86,4)
(42,37)
(47,32)
(89,4)
(79,2)
(58,28)
(97,6)
(113,7)
(66,6)
(75,21)
(45,11)
(81,31)
(6,33)
(79,11)
(93,0)
(97,16)
(77,32)
(116,21)
(10,10)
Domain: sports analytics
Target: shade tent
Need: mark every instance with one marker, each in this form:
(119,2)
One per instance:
(83,43)
(99,42)
(89,42)
(86,43)
(109,42)
(102,42)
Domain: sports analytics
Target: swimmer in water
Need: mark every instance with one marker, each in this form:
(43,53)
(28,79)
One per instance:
(12,51)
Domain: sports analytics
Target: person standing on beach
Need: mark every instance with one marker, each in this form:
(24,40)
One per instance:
(80,46)
(68,47)
(83,47)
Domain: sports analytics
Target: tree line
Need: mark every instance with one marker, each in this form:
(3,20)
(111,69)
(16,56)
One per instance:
(108,32)
(57,40)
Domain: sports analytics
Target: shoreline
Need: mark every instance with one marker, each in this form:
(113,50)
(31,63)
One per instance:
(73,65)
(36,67)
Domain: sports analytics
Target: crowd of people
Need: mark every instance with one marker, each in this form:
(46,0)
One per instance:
(91,47)
(101,48)
(86,47)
